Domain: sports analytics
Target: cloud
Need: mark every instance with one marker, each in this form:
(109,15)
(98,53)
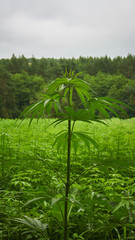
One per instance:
(67,28)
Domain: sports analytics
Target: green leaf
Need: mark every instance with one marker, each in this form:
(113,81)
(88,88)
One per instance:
(103,111)
(80,94)
(35,199)
(61,140)
(33,223)
(75,142)
(121,204)
(111,110)
(77,82)
(70,113)
(115,103)
(66,91)
(82,115)
(55,85)
(86,139)
(31,109)
(71,96)
(57,122)
(49,107)
(101,104)
(33,115)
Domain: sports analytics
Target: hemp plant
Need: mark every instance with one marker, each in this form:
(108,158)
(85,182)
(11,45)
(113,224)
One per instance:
(59,103)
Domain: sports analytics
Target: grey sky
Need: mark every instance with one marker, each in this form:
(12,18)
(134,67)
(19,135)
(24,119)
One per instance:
(67,28)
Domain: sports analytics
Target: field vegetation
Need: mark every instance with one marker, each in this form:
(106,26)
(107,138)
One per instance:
(102,200)
(74,179)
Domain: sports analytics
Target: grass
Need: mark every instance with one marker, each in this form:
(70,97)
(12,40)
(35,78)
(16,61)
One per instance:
(94,197)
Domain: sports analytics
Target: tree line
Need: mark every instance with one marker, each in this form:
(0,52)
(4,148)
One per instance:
(23,80)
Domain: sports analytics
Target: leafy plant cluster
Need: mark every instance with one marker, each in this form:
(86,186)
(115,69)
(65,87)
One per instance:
(59,103)
(70,187)
(102,202)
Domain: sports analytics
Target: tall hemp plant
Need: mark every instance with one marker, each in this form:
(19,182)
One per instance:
(59,103)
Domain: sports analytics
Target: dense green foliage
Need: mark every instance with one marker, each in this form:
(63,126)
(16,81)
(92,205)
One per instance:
(102,201)
(22,79)
(59,102)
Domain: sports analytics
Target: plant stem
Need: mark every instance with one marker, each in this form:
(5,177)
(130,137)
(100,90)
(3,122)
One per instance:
(67,182)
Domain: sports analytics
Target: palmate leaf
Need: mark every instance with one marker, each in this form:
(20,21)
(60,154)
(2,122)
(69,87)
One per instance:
(71,82)
(34,224)
(75,142)
(77,137)
(69,113)
(86,93)
(57,84)
(116,103)
(113,100)
(75,115)
(82,88)
(72,114)
(35,110)
(71,74)
(30,109)
(86,139)
(104,106)
(71,96)
(61,140)
(57,122)
(82,115)
(77,82)
(81,95)
(113,105)
(42,107)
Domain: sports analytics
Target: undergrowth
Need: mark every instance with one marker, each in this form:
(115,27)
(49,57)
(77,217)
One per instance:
(102,204)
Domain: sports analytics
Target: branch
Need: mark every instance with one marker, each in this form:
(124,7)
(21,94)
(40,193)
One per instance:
(52,169)
(80,176)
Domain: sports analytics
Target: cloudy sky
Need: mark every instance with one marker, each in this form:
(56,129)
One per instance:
(67,28)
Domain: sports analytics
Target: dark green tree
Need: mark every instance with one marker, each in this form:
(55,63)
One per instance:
(7,94)
(26,89)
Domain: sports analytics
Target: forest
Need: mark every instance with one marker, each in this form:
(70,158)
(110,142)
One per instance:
(67,159)
(22,80)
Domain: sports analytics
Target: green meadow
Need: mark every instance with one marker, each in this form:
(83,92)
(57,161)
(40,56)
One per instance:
(102,196)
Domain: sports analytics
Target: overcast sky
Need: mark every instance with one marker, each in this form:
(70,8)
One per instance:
(67,28)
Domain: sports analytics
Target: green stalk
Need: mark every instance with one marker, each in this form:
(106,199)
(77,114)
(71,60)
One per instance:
(67,182)
(68,170)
